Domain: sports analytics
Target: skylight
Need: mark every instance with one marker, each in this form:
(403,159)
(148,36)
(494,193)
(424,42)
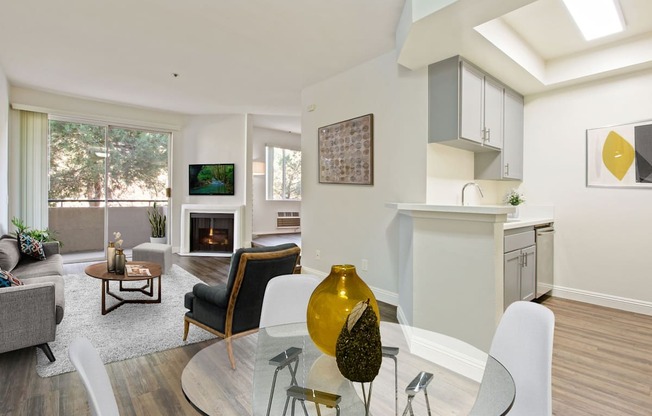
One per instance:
(596,18)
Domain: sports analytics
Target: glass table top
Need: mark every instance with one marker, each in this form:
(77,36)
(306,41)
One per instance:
(447,391)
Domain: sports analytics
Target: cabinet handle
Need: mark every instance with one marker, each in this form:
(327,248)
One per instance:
(525,259)
(488,135)
(506,169)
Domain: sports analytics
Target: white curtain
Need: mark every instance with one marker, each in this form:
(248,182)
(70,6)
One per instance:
(34,169)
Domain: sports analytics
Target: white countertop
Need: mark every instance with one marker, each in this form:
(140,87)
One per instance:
(529,216)
(526,222)
(466,209)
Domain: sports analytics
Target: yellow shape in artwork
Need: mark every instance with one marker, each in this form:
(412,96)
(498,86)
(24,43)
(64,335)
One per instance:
(617,155)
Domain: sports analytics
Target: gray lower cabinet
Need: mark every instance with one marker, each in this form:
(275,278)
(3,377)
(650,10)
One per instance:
(519,266)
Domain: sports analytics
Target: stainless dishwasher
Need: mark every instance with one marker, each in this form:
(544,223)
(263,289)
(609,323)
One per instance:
(545,241)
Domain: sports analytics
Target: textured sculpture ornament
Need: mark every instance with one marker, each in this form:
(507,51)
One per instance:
(359,351)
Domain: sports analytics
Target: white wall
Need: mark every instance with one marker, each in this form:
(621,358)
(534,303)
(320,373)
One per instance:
(449,169)
(4,153)
(602,243)
(211,139)
(264,211)
(347,223)
(95,110)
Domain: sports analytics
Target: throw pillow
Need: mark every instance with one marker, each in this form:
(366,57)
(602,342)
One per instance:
(7,279)
(31,247)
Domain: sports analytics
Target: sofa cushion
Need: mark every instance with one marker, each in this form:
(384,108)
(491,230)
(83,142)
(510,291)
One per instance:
(59,299)
(9,253)
(31,246)
(30,267)
(7,279)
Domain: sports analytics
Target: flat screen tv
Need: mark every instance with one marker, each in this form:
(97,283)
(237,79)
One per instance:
(211,179)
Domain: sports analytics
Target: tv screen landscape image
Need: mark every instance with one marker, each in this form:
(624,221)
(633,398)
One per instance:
(211,179)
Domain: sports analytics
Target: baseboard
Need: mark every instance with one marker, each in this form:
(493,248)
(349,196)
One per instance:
(309,270)
(445,351)
(385,296)
(380,294)
(601,299)
(400,316)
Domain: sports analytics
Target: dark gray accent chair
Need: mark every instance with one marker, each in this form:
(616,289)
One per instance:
(31,312)
(233,308)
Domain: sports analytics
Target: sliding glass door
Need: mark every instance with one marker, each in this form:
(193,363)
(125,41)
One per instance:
(102,180)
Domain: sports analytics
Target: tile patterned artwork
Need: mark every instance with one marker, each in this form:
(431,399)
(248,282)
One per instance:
(346,152)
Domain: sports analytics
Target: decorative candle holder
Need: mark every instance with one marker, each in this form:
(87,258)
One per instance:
(120,261)
(110,257)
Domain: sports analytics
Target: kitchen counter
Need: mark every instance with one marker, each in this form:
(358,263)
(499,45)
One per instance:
(526,222)
(460,209)
(530,217)
(451,276)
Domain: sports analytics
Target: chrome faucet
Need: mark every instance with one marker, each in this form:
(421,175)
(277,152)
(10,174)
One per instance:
(474,184)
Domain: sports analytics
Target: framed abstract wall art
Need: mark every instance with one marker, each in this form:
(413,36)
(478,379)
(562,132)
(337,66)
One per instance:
(346,151)
(620,156)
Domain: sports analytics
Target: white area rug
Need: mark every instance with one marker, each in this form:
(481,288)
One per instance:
(130,331)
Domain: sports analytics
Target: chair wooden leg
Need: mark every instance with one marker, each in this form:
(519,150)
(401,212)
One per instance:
(186,327)
(229,348)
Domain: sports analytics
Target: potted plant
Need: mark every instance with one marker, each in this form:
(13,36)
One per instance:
(157,222)
(514,198)
(43,236)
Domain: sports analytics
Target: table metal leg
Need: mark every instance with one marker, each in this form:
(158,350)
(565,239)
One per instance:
(391,353)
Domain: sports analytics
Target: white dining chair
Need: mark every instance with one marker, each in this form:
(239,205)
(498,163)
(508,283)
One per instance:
(86,360)
(523,344)
(286,299)
(286,302)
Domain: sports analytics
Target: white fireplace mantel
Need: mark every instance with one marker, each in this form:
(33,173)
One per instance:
(187,209)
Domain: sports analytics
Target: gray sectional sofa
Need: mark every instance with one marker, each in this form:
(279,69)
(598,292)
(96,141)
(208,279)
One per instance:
(30,313)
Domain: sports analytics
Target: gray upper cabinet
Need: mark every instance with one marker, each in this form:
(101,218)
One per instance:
(465,106)
(493,113)
(471,107)
(471,110)
(508,164)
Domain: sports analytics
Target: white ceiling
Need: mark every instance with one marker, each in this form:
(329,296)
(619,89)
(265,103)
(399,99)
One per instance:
(251,56)
(255,56)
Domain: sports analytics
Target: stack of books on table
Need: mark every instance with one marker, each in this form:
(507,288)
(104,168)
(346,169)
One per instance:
(136,270)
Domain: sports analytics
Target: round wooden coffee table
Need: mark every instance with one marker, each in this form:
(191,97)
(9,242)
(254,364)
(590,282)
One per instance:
(100,271)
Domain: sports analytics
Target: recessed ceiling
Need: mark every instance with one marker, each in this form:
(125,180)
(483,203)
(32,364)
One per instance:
(532,45)
(251,56)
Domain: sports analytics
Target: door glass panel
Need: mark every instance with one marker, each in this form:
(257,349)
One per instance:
(137,176)
(77,163)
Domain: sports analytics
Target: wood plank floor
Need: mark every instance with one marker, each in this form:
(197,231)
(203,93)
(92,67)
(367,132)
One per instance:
(602,365)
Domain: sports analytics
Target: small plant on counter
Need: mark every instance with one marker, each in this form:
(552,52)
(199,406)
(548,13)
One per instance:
(514,198)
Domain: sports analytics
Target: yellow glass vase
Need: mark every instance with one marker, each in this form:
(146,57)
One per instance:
(331,303)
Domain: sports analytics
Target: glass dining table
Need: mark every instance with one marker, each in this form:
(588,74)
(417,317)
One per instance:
(279,357)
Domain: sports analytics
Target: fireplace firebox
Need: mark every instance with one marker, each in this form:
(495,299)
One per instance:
(211,232)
